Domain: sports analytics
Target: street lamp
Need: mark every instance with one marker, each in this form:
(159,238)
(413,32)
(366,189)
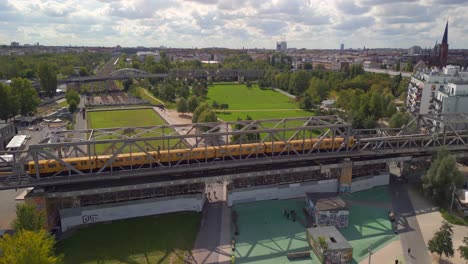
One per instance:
(370,252)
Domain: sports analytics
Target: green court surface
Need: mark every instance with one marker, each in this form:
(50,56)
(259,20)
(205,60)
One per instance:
(128,118)
(376,195)
(266,236)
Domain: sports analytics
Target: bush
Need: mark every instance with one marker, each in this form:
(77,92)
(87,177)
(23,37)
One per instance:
(454,219)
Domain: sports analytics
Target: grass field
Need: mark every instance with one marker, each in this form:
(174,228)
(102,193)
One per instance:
(156,239)
(255,102)
(127,118)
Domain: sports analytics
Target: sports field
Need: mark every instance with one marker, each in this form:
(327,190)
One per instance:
(127,118)
(255,102)
(155,239)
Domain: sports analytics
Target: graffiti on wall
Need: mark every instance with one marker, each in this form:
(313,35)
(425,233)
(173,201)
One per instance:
(89,219)
(332,218)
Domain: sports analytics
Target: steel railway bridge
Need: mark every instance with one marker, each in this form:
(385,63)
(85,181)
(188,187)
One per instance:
(74,197)
(420,138)
(128,73)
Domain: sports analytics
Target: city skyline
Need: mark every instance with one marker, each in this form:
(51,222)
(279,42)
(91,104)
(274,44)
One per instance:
(314,24)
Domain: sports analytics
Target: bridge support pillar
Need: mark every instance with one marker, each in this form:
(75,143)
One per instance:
(405,168)
(346,177)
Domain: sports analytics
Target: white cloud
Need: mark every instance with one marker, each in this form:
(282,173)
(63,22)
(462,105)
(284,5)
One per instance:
(234,23)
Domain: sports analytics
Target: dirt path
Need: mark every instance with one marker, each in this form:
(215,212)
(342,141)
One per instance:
(150,95)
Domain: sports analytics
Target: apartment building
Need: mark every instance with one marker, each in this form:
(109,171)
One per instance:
(424,86)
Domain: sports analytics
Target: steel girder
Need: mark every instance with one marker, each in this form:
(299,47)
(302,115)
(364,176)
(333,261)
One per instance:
(368,143)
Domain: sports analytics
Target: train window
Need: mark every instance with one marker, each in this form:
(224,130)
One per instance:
(179,154)
(233,150)
(73,163)
(137,158)
(128,159)
(296,145)
(84,163)
(248,149)
(52,165)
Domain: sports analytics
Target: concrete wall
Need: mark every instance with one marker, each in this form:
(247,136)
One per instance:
(285,191)
(368,182)
(72,217)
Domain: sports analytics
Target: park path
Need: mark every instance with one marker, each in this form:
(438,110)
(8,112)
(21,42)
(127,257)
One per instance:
(285,93)
(407,225)
(430,219)
(150,95)
(213,243)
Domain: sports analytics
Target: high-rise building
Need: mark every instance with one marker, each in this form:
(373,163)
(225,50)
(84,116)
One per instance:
(281,46)
(414,50)
(342,47)
(15,44)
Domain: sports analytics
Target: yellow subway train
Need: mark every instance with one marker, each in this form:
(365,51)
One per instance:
(126,160)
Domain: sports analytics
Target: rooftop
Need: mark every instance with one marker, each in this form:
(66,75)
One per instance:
(2,125)
(327,201)
(333,237)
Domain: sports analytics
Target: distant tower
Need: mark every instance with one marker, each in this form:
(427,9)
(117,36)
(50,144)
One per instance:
(342,47)
(443,48)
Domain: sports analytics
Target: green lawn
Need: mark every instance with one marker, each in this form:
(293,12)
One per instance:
(239,97)
(156,239)
(254,102)
(127,118)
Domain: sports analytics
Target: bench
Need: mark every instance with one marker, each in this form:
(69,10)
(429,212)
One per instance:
(298,255)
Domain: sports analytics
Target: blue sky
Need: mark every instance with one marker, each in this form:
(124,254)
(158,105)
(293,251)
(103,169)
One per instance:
(234,23)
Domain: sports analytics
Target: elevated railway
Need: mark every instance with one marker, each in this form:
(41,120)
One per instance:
(421,137)
(270,162)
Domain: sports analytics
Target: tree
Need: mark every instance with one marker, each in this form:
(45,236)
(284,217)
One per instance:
(30,247)
(200,89)
(399,119)
(298,82)
(306,103)
(72,95)
(182,105)
(205,117)
(463,249)
(441,177)
(127,84)
(8,102)
(198,111)
(318,90)
(48,77)
(28,218)
(72,106)
(355,70)
(83,71)
(26,96)
(442,243)
(215,105)
(183,91)
(192,103)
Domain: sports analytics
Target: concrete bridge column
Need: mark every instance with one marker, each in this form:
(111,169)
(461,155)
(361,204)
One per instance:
(346,177)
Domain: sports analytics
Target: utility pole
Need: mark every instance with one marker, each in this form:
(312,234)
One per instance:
(370,252)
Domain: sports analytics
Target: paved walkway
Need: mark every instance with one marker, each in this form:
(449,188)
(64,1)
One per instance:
(285,93)
(430,220)
(408,226)
(213,241)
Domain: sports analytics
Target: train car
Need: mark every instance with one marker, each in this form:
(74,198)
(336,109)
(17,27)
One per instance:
(49,167)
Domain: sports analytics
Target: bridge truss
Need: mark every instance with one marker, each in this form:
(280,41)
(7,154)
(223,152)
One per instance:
(422,136)
(128,73)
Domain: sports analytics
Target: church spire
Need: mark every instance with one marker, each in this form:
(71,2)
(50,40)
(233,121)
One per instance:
(445,38)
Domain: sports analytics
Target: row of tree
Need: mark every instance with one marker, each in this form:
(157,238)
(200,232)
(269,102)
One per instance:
(27,66)
(30,243)
(17,98)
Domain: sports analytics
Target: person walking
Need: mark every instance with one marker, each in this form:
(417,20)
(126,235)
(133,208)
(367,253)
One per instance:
(409,251)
